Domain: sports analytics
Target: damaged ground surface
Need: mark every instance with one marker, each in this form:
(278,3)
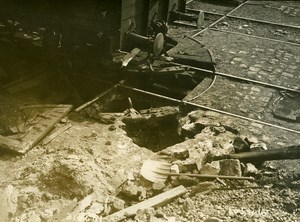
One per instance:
(90,168)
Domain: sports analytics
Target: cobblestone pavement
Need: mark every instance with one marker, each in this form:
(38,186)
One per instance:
(258,59)
(284,12)
(253,101)
(260,29)
(254,58)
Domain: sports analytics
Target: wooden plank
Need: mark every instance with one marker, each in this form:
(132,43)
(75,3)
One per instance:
(155,201)
(40,127)
(56,134)
(9,143)
(95,99)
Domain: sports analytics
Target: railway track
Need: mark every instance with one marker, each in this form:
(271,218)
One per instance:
(236,78)
(212,27)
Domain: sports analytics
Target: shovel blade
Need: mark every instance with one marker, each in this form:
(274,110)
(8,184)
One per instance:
(154,171)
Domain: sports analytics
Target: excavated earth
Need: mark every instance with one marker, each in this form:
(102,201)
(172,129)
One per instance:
(92,169)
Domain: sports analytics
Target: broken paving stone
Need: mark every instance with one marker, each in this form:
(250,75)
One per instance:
(117,205)
(218,129)
(240,145)
(46,214)
(260,146)
(108,143)
(185,181)
(133,192)
(201,187)
(188,165)
(230,167)
(213,219)
(158,187)
(191,129)
(181,154)
(250,170)
(212,168)
(112,128)
(145,215)
(188,205)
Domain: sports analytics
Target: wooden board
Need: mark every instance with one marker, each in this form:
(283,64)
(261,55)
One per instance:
(155,201)
(41,125)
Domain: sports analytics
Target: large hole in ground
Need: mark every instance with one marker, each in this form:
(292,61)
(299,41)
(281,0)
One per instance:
(155,129)
(156,125)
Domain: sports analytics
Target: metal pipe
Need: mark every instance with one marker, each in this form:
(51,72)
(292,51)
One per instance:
(240,78)
(211,109)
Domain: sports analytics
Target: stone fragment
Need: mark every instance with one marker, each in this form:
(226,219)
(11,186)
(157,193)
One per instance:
(188,165)
(230,167)
(240,145)
(259,146)
(250,170)
(201,187)
(212,168)
(181,154)
(188,205)
(145,215)
(219,129)
(185,181)
(133,192)
(174,168)
(158,187)
(112,128)
(213,219)
(117,205)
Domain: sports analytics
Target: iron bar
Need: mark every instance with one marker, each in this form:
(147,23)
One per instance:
(240,78)
(211,109)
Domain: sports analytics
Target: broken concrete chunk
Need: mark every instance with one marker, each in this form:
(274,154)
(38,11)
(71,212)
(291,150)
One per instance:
(188,205)
(250,170)
(240,145)
(185,181)
(188,165)
(133,192)
(218,129)
(213,219)
(212,168)
(158,187)
(230,167)
(259,146)
(117,205)
(181,154)
(201,187)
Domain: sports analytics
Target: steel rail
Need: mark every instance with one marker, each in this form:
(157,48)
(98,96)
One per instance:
(240,78)
(263,21)
(220,19)
(228,15)
(211,109)
(255,36)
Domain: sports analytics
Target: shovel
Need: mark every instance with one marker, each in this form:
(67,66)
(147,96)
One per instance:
(158,172)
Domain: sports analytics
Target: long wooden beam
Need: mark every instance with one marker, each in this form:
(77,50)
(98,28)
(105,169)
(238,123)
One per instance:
(155,201)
